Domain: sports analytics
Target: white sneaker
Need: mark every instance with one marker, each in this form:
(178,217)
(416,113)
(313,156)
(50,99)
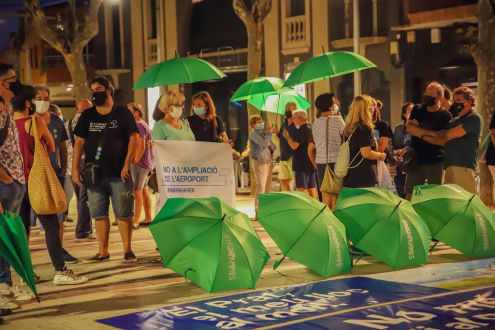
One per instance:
(5,289)
(6,304)
(68,277)
(21,295)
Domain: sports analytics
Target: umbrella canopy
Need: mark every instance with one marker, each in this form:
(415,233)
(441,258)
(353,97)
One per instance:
(276,102)
(209,243)
(384,225)
(261,85)
(457,218)
(179,70)
(306,231)
(327,65)
(14,248)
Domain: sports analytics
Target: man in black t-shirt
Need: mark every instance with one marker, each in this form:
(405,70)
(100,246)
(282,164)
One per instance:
(285,172)
(108,135)
(301,163)
(426,117)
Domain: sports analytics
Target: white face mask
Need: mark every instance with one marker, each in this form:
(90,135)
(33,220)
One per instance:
(176,112)
(42,106)
(335,109)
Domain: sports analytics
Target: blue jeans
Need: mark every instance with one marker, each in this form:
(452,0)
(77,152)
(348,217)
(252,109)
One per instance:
(120,193)
(11,197)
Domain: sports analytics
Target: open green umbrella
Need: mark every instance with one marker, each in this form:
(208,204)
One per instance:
(209,243)
(305,230)
(276,102)
(179,70)
(384,225)
(14,247)
(327,65)
(457,218)
(261,85)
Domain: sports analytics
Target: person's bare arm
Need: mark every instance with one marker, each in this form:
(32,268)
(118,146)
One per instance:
(45,135)
(383,143)
(412,127)
(367,153)
(76,159)
(312,154)
(131,152)
(64,155)
(443,136)
(293,144)
(141,145)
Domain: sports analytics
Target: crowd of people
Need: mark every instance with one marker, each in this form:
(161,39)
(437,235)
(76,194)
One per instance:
(105,154)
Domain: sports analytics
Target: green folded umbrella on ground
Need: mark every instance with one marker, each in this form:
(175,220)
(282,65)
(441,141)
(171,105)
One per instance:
(179,70)
(305,230)
(262,85)
(457,218)
(209,243)
(14,247)
(384,225)
(327,65)
(276,102)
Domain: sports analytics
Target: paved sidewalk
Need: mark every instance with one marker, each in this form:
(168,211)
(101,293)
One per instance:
(116,288)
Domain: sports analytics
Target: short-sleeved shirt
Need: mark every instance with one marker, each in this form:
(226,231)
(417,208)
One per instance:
(120,124)
(145,133)
(59,134)
(433,121)
(165,131)
(336,127)
(463,151)
(490,152)
(10,151)
(286,151)
(300,160)
(364,175)
(382,129)
(204,129)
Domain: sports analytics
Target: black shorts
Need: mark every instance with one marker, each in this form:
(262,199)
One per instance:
(305,180)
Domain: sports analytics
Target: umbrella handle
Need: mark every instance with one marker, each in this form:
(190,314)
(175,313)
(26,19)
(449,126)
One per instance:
(189,269)
(277,263)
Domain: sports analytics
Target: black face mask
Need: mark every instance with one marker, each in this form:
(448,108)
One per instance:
(32,110)
(456,108)
(288,114)
(15,87)
(99,98)
(430,100)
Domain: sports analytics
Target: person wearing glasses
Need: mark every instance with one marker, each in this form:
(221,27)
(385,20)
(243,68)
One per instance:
(204,122)
(172,126)
(9,84)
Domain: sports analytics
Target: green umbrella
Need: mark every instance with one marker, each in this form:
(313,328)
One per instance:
(327,65)
(209,243)
(306,231)
(261,85)
(276,102)
(14,247)
(384,225)
(457,218)
(179,70)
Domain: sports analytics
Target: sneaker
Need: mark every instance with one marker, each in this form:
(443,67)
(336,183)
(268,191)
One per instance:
(68,258)
(145,224)
(21,295)
(130,257)
(6,304)
(67,277)
(96,258)
(89,238)
(69,219)
(135,227)
(5,289)
(37,279)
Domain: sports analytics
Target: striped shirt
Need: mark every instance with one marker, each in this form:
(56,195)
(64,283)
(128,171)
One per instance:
(335,131)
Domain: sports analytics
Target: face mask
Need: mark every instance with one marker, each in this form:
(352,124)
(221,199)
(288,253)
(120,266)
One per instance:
(335,109)
(32,109)
(15,87)
(176,112)
(99,98)
(288,114)
(456,108)
(260,126)
(430,100)
(42,106)
(199,111)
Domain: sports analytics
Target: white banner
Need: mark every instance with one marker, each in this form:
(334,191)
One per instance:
(194,170)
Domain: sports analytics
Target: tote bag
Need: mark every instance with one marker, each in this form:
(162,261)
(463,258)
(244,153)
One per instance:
(46,194)
(331,182)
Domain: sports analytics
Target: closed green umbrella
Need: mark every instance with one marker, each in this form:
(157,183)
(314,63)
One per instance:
(457,218)
(261,85)
(384,225)
(14,247)
(327,65)
(209,243)
(276,102)
(305,230)
(179,70)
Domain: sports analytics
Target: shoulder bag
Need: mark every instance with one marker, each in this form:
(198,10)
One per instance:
(331,182)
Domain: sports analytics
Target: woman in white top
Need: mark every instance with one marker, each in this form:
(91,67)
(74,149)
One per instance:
(323,150)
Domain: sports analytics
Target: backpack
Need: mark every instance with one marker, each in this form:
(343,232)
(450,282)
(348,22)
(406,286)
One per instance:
(343,162)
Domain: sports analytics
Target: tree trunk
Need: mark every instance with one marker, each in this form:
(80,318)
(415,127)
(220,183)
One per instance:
(485,59)
(77,68)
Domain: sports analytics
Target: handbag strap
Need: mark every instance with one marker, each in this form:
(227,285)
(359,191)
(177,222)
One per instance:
(328,120)
(102,138)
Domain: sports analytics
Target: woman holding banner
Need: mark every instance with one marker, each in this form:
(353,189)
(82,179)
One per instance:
(172,126)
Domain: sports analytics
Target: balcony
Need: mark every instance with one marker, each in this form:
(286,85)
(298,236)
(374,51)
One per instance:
(151,52)
(228,59)
(296,35)
(56,61)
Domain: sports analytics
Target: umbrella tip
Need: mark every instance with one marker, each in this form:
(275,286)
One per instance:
(323,49)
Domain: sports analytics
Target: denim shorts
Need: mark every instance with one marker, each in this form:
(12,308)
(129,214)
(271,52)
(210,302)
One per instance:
(139,175)
(11,196)
(119,192)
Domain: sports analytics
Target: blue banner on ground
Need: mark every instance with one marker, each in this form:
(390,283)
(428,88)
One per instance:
(473,309)
(272,307)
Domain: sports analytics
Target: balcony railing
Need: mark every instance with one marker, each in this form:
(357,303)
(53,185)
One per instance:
(227,58)
(54,61)
(151,52)
(295,32)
